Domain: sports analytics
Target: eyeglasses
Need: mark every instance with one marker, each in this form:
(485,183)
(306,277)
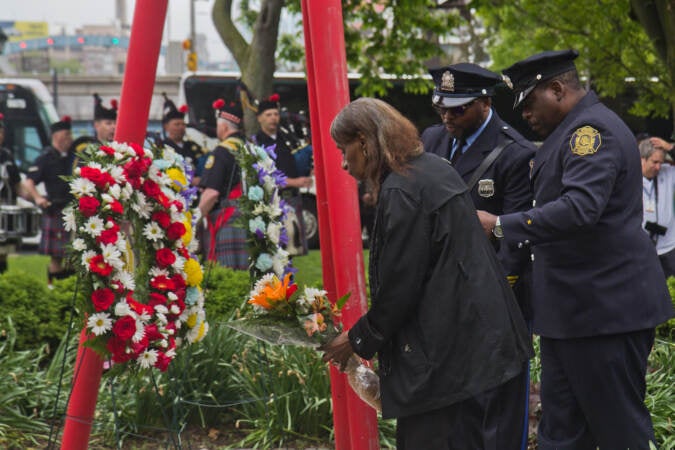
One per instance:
(454,110)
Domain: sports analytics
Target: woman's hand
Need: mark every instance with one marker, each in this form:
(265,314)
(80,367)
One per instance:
(338,351)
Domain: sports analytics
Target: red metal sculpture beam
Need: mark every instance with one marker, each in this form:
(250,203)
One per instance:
(355,423)
(137,86)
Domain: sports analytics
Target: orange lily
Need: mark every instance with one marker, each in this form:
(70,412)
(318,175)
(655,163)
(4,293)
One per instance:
(274,293)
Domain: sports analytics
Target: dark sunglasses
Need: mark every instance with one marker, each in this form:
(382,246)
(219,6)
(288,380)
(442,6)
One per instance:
(454,110)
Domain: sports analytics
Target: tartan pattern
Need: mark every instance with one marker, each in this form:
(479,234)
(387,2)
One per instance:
(55,238)
(231,250)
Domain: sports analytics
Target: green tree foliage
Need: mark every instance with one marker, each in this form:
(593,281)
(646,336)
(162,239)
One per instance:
(612,43)
(382,38)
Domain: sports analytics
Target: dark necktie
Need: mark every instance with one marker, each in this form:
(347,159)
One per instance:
(458,152)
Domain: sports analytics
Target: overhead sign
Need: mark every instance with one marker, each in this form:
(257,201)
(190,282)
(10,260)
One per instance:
(17,30)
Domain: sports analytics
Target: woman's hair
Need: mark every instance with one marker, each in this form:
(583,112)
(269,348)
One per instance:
(391,139)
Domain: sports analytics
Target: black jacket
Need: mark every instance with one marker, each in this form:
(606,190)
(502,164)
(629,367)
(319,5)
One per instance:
(443,318)
(595,270)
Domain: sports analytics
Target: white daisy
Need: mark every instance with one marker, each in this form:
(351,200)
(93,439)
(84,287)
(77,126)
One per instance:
(94,226)
(80,187)
(147,359)
(86,257)
(127,191)
(126,279)
(156,272)
(69,222)
(112,256)
(171,296)
(153,232)
(174,309)
(122,309)
(141,205)
(193,246)
(161,309)
(117,173)
(79,244)
(99,323)
(179,263)
(140,332)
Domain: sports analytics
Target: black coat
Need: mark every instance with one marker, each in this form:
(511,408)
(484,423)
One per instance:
(595,270)
(443,318)
(506,185)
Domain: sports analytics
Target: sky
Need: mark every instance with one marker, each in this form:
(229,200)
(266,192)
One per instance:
(71,14)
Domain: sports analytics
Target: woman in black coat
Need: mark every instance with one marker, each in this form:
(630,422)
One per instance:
(443,320)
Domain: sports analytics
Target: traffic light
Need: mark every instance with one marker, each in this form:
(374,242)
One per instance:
(187,44)
(192,61)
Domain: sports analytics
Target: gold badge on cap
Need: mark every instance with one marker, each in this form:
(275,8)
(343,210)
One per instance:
(585,141)
(507,81)
(209,162)
(448,82)
(486,188)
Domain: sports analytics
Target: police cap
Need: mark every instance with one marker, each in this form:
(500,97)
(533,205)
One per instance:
(461,83)
(526,74)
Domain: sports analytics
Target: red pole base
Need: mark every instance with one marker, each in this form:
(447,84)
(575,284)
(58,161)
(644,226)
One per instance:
(82,404)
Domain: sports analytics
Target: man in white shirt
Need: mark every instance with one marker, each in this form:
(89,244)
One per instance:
(658,181)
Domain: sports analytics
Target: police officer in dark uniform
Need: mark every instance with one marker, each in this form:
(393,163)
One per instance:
(221,186)
(494,160)
(57,160)
(268,116)
(173,122)
(598,288)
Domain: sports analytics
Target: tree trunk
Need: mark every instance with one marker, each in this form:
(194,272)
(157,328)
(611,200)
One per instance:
(657,17)
(255,59)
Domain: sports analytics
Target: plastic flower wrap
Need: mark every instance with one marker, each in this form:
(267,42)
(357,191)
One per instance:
(135,253)
(281,314)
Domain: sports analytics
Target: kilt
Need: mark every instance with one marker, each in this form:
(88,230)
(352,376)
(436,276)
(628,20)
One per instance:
(230,242)
(55,238)
(295,227)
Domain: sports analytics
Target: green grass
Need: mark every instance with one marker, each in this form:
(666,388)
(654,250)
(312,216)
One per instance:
(35,265)
(309,268)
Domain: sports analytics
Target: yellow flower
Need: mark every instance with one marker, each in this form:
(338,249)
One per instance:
(187,237)
(193,272)
(192,320)
(178,178)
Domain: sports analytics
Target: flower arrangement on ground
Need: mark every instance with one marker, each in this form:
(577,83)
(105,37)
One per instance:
(134,249)
(262,211)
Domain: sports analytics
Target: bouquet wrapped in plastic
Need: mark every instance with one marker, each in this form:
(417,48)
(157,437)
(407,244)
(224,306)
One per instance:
(283,315)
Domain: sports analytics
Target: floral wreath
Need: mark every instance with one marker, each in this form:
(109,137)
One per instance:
(134,249)
(263,210)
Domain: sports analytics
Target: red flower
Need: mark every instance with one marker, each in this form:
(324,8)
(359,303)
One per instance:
(274,98)
(152,333)
(162,283)
(156,299)
(175,231)
(162,218)
(107,150)
(116,207)
(137,149)
(184,252)
(138,307)
(183,109)
(102,299)
(134,169)
(88,205)
(291,290)
(162,362)
(124,328)
(218,103)
(165,257)
(118,349)
(107,236)
(150,188)
(98,265)
(140,346)
(178,205)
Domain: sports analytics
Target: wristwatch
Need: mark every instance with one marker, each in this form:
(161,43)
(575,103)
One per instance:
(497,231)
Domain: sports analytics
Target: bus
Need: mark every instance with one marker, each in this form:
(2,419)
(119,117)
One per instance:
(29,111)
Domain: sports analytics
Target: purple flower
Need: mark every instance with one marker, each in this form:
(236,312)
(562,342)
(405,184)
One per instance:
(283,237)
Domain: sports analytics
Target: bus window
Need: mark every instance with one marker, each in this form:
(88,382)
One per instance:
(28,110)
